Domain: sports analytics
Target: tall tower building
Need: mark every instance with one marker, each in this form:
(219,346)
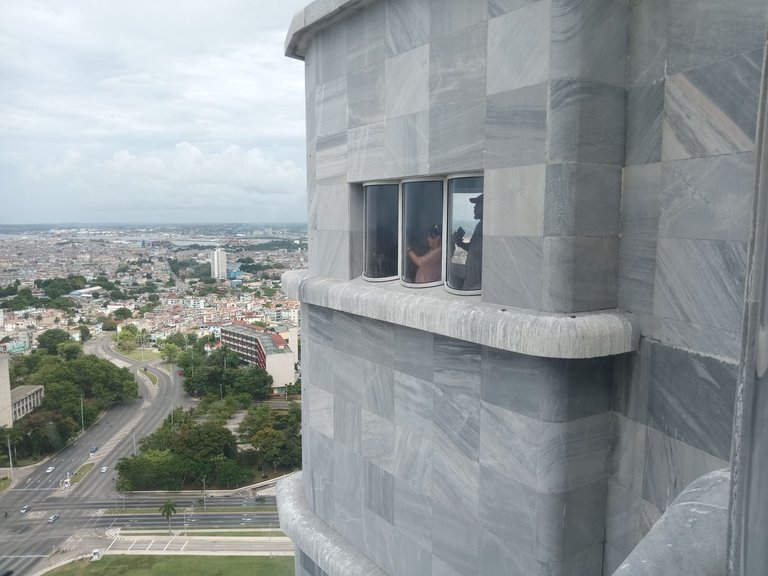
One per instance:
(521,324)
(6,405)
(219,264)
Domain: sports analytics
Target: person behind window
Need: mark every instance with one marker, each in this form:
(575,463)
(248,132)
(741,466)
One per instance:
(430,263)
(474,248)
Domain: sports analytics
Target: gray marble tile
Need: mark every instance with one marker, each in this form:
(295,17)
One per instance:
(457,136)
(378,441)
(513,382)
(320,324)
(524,32)
(516,127)
(700,282)
(331,107)
(407,24)
(410,558)
(347,376)
(347,332)
(457,65)
(582,200)
(647,42)
(457,366)
(713,109)
(612,559)
(379,390)
(637,274)
(406,82)
(580,273)
(413,514)
(572,454)
(347,494)
(331,156)
(450,16)
(645,107)
(570,522)
(631,382)
(413,459)
(589,40)
(507,509)
(516,277)
(414,350)
(407,145)
(708,198)
(414,404)
(710,31)
(332,205)
(457,421)
(500,556)
(366,153)
(379,540)
(628,518)
(378,342)
(333,254)
(586,122)
(347,424)
(379,492)
(319,405)
(514,201)
(670,465)
(366,95)
(366,40)
(318,366)
(584,563)
(329,54)
(456,542)
(705,340)
(626,458)
(641,201)
(691,398)
(509,445)
(443,568)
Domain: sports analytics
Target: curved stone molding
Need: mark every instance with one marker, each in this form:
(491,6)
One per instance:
(583,335)
(690,538)
(317,15)
(330,551)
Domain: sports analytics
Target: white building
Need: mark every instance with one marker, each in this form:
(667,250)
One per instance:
(219,264)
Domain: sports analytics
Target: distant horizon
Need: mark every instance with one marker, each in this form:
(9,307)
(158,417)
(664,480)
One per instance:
(147,224)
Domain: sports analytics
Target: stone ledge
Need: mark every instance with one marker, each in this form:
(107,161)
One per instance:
(583,335)
(327,548)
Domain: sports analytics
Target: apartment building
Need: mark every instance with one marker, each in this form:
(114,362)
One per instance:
(265,349)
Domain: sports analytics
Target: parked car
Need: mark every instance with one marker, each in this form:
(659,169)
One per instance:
(24,509)
(53,517)
(50,469)
(104,469)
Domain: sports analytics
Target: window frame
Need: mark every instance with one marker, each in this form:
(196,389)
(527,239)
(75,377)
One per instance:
(449,227)
(402,230)
(396,184)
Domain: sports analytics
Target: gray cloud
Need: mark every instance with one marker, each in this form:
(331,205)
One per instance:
(146,111)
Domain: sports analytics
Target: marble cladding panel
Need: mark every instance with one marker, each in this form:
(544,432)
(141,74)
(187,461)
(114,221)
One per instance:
(413,514)
(366,40)
(319,321)
(516,278)
(507,509)
(406,141)
(645,107)
(322,479)
(414,404)
(379,389)
(411,559)
(712,109)
(331,157)
(691,398)
(333,256)
(700,33)
(631,376)
(318,365)
(331,107)
(637,273)
(626,458)
(708,198)
(641,201)
(379,537)
(509,445)
(379,492)
(457,66)
(587,562)
(356,243)
(347,427)
(589,40)
(612,559)
(457,137)
(455,510)
(347,376)
(582,200)
(647,41)
(365,95)
(525,33)
(332,205)
(413,459)
(329,49)
(377,341)
(378,441)
(569,523)
(348,494)
(414,352)
(499,556)
(457,421)
(670,465)
(408,23)
(366,153)
(704,339)
(457,366)
(514,201)
(586,122)
(572,454)
(701,282)
(450,16)
(628,518)
(442,568)
(516,127)
(580,273)
(319,405)
(406,82)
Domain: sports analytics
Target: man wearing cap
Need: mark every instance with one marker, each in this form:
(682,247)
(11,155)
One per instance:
(474,248)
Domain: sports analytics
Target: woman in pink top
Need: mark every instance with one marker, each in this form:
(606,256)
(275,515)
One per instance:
(430,263)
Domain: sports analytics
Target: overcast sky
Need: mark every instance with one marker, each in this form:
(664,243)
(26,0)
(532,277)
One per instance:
(150,111)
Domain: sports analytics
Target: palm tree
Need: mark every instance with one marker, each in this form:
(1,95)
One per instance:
(168,509)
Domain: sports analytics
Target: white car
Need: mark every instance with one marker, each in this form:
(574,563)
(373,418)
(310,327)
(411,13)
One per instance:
(104,469)
(50,469)
(52,518)
(24,509)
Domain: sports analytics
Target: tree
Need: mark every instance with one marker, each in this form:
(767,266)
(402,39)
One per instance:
(255,381)
(85,334)
(50,339)
(168,509)
(70,350)
(122,314)
(170,352)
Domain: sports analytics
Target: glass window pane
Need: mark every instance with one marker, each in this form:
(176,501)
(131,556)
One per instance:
(465,220)
(380,202)
(422,255)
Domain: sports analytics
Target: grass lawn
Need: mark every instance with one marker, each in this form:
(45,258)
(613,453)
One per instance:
(80,474)
(187,565)
(4,483)
(149,354)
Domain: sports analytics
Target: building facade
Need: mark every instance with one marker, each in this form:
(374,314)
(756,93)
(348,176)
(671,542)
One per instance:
(265,349)
(536,404)
(219,264)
